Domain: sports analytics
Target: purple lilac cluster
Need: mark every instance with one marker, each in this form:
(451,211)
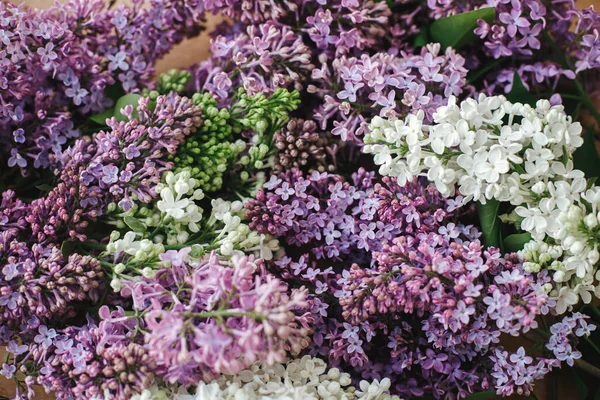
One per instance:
(128,161)
(316,211)
(39,283)
(57,66)
(78,362)
(347,53)
(125,162)
(564,334)
(399,288)
(354,90)
(217,317)
(516,372)
(260,59)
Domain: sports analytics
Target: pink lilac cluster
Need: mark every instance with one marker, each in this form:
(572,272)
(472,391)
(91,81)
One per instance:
(79,363)
(125,162)
(399,288)
(217,316)
(57,66)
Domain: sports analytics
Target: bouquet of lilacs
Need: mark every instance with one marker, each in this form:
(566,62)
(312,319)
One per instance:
(349,199)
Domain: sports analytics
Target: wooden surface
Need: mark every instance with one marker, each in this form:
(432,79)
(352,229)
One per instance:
(194,50)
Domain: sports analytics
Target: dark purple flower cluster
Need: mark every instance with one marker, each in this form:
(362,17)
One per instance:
(77,362)
(58,65)
(38,283)
(399,289)
(299,145)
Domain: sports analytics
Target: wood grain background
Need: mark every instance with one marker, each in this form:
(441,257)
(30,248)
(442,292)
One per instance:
(190,52)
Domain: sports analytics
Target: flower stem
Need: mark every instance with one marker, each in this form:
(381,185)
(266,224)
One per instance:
(225,313)
(587,367)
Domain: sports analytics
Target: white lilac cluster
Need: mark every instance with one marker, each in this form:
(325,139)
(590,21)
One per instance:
(136,257)
(572,254)
(179,213)
(491,149)
(175,221)
(305,378)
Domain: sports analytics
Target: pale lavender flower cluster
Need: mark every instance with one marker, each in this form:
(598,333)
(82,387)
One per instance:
(59,65)
(564,336)
(385,85)
(515,373)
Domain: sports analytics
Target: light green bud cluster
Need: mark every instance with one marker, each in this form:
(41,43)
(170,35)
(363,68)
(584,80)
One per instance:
(173,81)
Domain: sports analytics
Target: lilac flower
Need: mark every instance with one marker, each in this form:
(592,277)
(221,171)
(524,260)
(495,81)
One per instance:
(8,371)
(435,361)
(47,54)
(77,93)
(109,173)
(16,159)
(19,135)
(45,337)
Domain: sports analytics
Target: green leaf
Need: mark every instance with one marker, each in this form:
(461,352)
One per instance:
(490,394)
(422,38)
(114,91)
(128,99)
(44,187)
(490,223)
(519,93)
(67,248)
(586,157)
(101,118)
(456,31)
(516,242)
(135,224)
